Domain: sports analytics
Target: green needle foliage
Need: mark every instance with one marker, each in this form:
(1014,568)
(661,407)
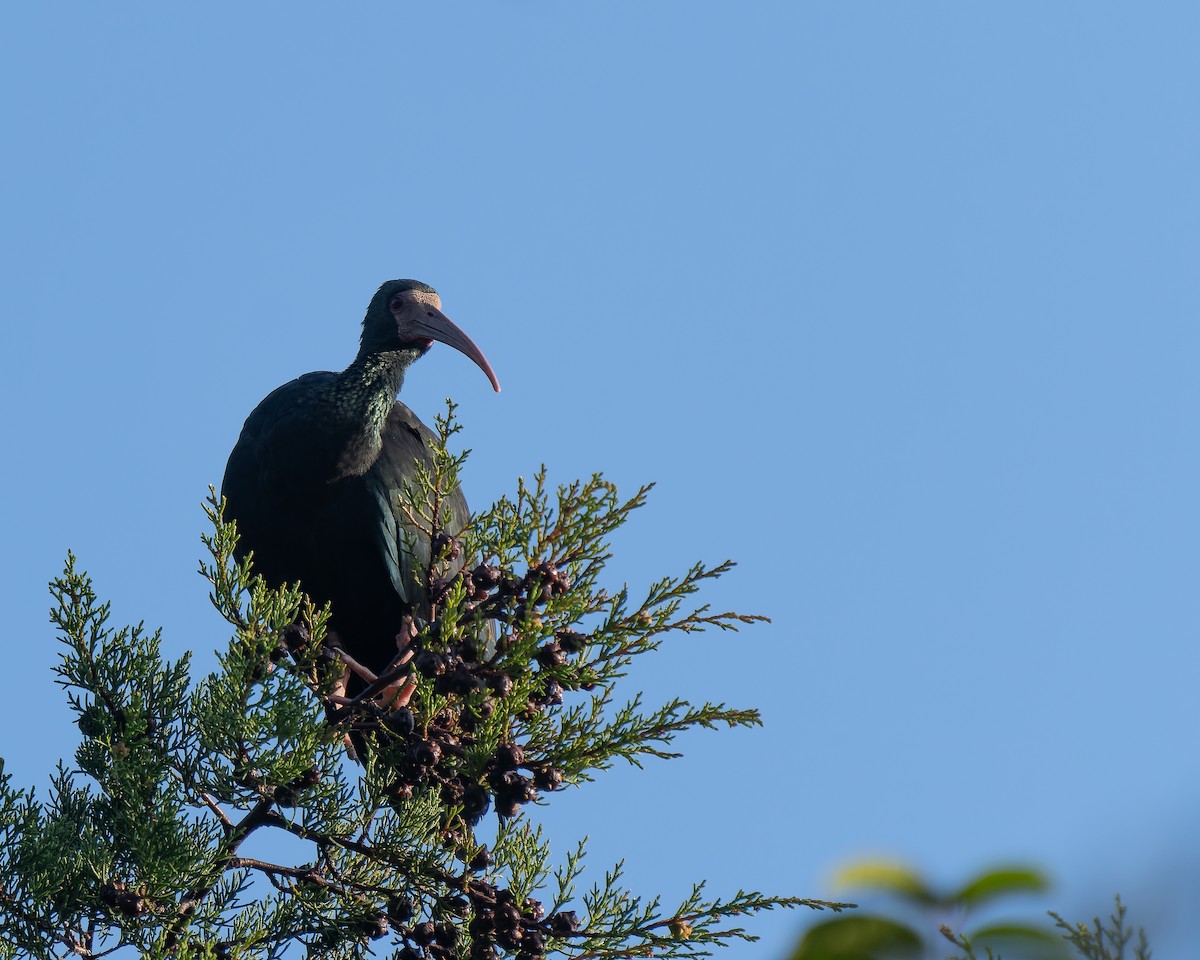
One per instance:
(156,842)
(1100,942)
(1095,942)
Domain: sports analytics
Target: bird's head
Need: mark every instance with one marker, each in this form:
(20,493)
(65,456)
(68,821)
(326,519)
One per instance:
(407,315)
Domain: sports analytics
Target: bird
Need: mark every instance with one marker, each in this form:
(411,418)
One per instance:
(315,479)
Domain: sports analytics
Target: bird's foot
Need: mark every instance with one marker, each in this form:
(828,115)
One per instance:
(406,636)
(337,697)
(389,690)
(399,691)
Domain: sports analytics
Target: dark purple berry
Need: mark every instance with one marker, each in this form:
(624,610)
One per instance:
(90,722)
(423,933)
(475,803)
(570,640)
(547,778)
(485,577)
(400,909)
(551,654)
(508,756)
(400,790)
(286,796)
(512,790)
(118,896)
(425,753)
(429,663)
(295,636)
(482,950)
(460,681)
(483,923)
(508,917)
(565,922)
(485,709)
(446,933)
(445,546)
(452,792)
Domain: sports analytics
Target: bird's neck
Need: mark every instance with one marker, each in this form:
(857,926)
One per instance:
(365,393)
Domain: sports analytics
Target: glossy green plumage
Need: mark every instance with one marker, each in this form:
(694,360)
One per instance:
(313,484)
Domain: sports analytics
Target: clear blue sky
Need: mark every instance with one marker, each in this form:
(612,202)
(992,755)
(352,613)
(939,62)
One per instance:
(897,302)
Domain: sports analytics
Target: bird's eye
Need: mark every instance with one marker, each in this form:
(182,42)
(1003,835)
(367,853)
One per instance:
(396,301)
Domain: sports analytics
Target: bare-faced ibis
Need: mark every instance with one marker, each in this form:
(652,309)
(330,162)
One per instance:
(316,476)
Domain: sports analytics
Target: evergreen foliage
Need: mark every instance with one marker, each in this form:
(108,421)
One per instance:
(1095,942)
(1100,942)
(151,843)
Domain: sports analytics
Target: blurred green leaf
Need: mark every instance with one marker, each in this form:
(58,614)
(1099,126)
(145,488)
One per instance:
(998,883)
(858,938)
(1027,941)
(888,876)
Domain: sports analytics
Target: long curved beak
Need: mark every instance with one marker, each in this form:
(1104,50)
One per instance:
(425,321)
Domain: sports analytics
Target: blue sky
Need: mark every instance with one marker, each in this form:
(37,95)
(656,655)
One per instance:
(896,302)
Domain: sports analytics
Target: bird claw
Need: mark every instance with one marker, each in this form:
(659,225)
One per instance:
(353,666)
(408,633)
(397,694)
(391,696)
(388,691)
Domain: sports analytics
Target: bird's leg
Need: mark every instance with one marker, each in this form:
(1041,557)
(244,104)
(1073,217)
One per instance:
(389,690)
(397,693)
(337,695)
(353,666)
(393,696)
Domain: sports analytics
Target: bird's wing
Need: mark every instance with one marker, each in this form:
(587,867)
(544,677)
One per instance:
(278,453)
(403,544)
(270,471)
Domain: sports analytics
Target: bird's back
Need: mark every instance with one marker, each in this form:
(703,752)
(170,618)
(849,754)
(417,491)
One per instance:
(344,538)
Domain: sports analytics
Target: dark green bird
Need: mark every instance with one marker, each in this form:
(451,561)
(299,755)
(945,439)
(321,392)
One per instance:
(316,474)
